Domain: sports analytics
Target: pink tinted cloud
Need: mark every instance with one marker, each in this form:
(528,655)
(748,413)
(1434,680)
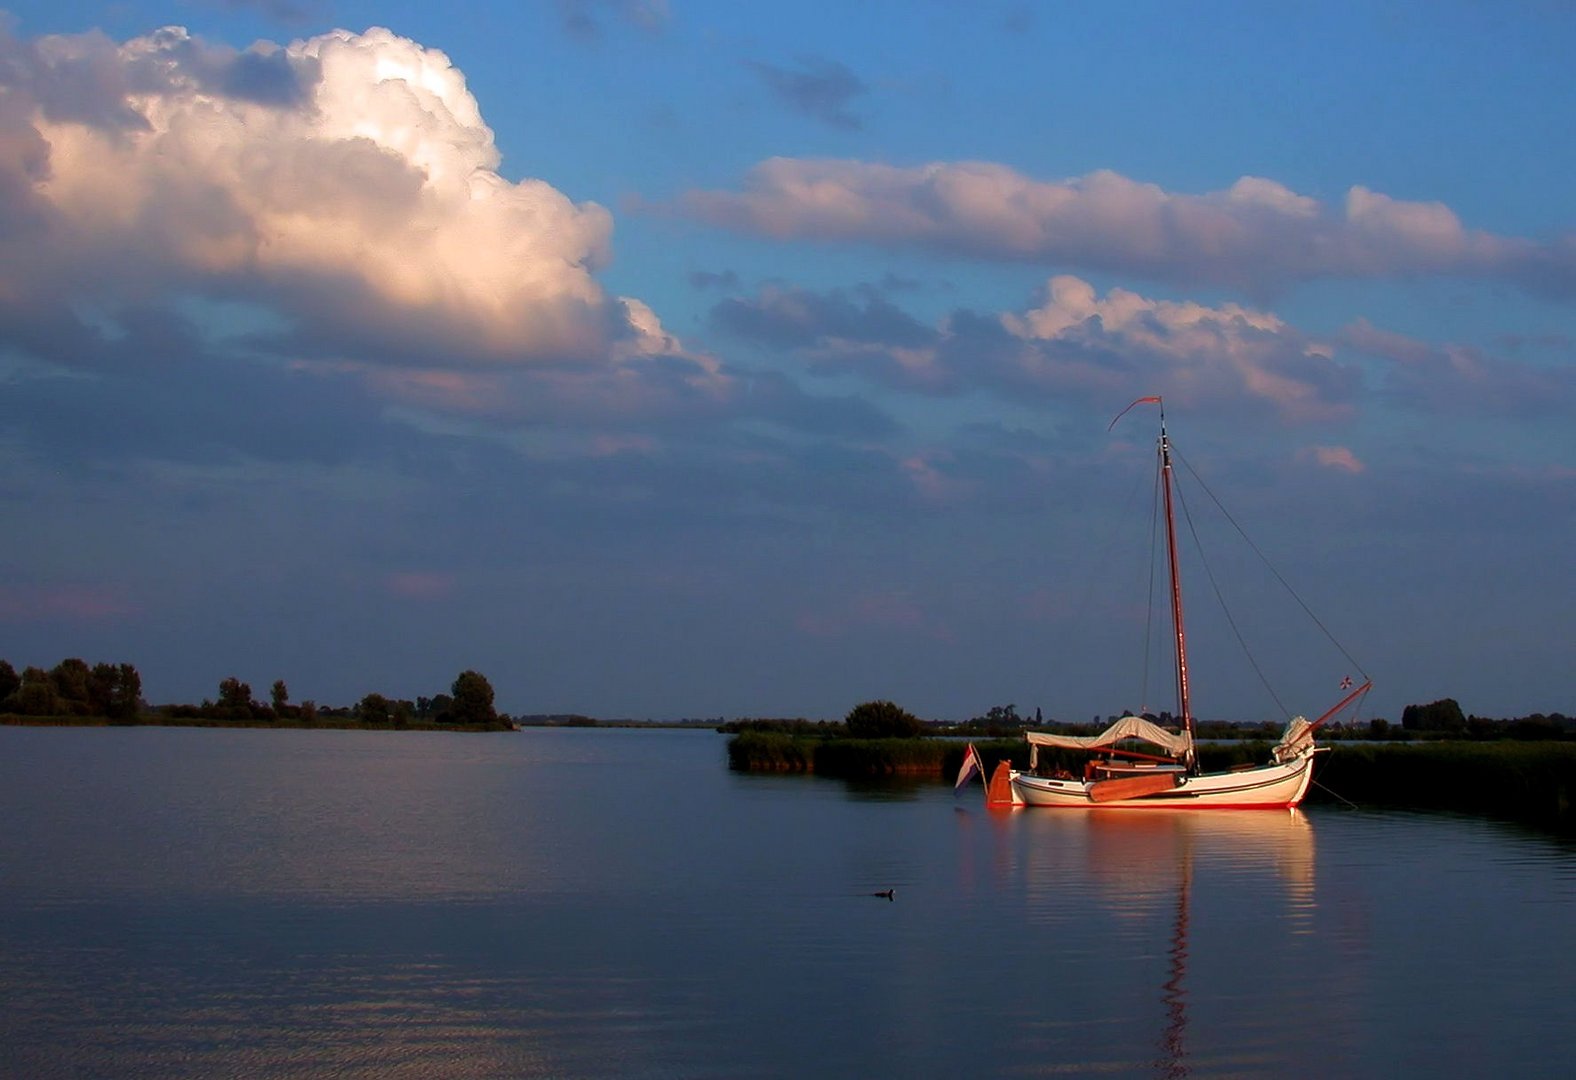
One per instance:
(930,477)
(1074,343)
(875,610)
(450,391)
(1255,233)
(416,585)
(66,603)
(1463,379)
(1332,457)
(685,386)
(1077,341)
(610,445)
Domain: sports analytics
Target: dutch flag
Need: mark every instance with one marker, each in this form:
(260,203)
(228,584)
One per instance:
(970,769)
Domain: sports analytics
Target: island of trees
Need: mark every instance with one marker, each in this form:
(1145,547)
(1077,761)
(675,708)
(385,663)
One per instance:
(1436,758)
(73,692)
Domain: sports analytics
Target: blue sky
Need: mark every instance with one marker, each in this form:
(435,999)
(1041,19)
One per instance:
(666,359)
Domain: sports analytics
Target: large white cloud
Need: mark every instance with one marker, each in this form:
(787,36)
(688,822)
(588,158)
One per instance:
(1254,234)
(347,181)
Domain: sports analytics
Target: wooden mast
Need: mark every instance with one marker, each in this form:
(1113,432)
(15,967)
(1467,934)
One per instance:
(1184,701)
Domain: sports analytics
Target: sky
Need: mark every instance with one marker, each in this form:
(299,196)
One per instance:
(689,358)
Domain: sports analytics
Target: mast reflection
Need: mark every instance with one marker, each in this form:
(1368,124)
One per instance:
(1140,868)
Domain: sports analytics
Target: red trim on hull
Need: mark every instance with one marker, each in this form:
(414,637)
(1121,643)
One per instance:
(1152,804)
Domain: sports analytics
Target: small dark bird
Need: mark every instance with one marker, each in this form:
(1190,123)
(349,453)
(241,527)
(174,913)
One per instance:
(886,895)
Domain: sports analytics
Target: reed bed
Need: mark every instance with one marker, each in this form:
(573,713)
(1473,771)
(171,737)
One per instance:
(1527,781)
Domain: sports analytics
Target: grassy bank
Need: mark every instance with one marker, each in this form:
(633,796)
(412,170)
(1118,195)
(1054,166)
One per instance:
(331,723)
(1526,781)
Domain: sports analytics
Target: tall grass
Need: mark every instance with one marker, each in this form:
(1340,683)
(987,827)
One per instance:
(1528,781)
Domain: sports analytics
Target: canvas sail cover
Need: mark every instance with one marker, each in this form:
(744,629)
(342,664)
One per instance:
(1297,738)
(1129,727)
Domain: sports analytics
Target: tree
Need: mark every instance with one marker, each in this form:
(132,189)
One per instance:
(1003,716)
(374,709)
(1442,715)
(36,696)
(881,720)
(115,691)
(72,679)
(280,696)
(101,686)
(10,681)
(126,701)
(473,700)
(235,695)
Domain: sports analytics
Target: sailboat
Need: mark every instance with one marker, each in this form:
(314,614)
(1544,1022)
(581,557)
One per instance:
(1165,776)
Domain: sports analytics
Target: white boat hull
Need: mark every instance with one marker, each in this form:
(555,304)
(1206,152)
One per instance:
(1261,787)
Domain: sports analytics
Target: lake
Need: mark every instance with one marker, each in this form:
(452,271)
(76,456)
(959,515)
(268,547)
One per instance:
(589,903)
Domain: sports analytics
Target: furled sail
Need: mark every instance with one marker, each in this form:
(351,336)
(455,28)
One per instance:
(1297,738)
(1129,727)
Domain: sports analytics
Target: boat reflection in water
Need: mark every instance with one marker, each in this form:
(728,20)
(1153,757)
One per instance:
(1114,878)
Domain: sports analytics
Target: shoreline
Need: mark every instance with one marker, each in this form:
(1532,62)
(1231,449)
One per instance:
(1533,782)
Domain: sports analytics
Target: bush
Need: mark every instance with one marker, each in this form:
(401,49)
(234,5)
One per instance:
(881,720)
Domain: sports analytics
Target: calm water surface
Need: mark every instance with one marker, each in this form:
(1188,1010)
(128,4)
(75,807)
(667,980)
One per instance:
(561,903)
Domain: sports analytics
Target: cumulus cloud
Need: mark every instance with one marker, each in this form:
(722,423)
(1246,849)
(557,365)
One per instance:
(348,182)
(1254,234)
(1461,380)
(1074,343)
(1190,352)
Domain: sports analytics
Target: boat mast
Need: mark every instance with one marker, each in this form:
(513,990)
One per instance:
(1183,701)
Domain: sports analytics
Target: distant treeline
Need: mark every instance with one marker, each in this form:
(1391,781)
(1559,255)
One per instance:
(1441,719)
(72,691)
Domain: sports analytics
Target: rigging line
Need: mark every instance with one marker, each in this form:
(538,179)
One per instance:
(1271,567)
(1336,794)
(1097,562)
(1220,598)
(1096,565)
(1149,609)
